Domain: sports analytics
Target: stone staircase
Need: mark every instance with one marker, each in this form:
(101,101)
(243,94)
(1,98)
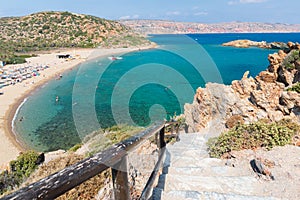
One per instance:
(189,173)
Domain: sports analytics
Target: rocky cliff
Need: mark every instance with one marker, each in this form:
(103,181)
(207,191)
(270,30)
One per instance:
(220,106)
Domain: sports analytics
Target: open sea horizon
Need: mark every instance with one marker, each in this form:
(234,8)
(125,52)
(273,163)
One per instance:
(142,87)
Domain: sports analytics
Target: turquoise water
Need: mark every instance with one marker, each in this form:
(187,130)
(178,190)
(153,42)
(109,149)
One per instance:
(143,87)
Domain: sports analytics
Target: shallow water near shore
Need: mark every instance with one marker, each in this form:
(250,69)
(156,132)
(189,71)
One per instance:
(118,91)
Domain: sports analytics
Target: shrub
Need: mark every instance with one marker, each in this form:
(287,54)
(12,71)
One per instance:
(295,88)
(252,136)
(289,61)
(75,147)
(21,168)
(25,164)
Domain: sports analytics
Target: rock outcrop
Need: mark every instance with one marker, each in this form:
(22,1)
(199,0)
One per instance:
(246,44)
(262,44)
(262,97)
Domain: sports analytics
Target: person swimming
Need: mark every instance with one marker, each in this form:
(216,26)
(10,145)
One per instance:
(56,99)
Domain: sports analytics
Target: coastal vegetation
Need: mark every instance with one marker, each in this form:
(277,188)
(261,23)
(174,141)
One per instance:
(292,60)
(101,139)
(295,88)
(20,169)
(261,134)
(51,30)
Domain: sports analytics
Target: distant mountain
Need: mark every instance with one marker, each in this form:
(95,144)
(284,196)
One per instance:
(172,27)
(48,30)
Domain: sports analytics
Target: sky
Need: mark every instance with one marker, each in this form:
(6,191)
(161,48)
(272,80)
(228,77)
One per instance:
(204,11)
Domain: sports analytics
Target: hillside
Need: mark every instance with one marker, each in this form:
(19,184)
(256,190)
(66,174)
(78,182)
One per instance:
(48,30)
(172,27)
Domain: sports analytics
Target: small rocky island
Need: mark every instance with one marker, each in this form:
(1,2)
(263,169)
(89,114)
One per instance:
(262,44)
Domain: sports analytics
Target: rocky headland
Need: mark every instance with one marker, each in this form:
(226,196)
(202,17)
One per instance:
(262,44)
(250,99)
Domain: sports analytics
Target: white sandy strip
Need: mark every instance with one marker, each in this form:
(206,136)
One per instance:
(15,94)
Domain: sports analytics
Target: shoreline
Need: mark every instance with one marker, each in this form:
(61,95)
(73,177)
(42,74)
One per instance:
(14,95)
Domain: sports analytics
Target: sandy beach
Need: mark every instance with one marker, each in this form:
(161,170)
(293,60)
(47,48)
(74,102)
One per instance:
(15,94)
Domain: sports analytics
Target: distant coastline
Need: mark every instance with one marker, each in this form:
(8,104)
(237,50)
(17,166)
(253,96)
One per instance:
(172,27)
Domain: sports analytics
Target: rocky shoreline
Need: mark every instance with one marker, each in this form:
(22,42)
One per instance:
(250,99)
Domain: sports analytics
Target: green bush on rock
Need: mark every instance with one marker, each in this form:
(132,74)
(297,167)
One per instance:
(295,88)
(254,135)
(25,164)
(21,168)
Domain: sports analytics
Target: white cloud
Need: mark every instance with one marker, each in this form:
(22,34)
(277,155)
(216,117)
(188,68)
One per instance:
(135,16)
(245,2)
(129,17)
(173,13)
(200,13)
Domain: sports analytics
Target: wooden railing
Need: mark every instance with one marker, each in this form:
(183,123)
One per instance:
(115,158)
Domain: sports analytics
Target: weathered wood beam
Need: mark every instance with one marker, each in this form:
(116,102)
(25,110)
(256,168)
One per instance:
(72,176)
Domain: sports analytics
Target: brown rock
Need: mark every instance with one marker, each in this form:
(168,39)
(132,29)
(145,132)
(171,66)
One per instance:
(286,101)
(282,55)
(234,120)
(285,76)
(274,60)
(296,140)
(267,77)
(244,86)
(290,45)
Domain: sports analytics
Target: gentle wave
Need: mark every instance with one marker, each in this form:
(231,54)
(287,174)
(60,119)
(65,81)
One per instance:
(16,114)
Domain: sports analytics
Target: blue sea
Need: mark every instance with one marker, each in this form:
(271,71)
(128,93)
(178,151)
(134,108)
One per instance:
(142,87)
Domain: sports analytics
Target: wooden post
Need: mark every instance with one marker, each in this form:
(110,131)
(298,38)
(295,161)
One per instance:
(177,132)
(162,142)
(172,128)
(120,180)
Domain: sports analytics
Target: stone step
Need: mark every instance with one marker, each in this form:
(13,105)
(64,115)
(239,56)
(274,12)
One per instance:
(243,185)
(192,138)
(191,195)
(191,141)
(191,161)
(208,170)
(188,153)
(186,171)
(192,135)
(181,146)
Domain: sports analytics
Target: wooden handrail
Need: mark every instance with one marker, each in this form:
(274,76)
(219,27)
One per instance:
(115,156)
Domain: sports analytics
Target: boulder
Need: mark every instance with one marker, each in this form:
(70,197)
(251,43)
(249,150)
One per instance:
(244,86)
(290,45)
(234,120)
(278,45)
(285,76)
(267,77)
